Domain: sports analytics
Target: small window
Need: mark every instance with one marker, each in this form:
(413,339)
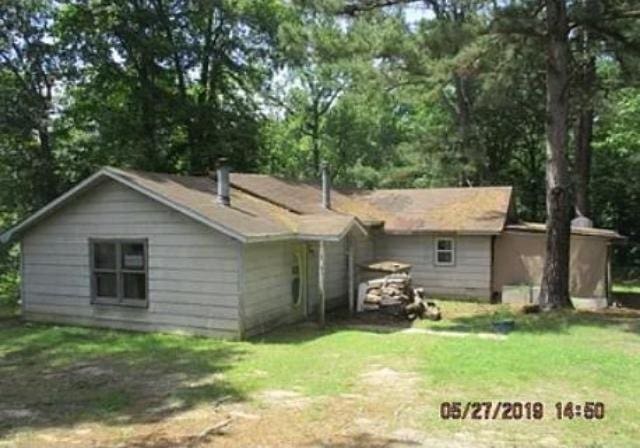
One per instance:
(445,249)
(119,272)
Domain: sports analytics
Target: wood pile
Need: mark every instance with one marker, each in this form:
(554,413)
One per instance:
(394,294)
(392,290)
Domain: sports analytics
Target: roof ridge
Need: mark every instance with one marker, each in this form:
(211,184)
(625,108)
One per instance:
(264,198)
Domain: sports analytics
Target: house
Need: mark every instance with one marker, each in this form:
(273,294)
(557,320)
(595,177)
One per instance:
(240,254)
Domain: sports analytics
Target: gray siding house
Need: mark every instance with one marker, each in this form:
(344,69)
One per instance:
(240,254)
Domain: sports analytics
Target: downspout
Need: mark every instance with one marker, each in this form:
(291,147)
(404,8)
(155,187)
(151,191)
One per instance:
(326,186)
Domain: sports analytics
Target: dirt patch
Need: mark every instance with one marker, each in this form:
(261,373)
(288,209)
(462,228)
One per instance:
(455,334)
(17,414)
(284,398)
(387,379)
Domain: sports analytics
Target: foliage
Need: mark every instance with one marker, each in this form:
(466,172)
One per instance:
(9,278)
(616,161)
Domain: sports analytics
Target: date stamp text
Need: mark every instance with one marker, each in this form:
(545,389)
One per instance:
(520,410)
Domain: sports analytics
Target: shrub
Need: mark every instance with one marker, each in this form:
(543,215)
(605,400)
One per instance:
(9,277)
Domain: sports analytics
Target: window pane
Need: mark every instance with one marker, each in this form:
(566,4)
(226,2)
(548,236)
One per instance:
(445,244)
(106,285)
(445,257)
(104,255)
(133,256)
(134,286)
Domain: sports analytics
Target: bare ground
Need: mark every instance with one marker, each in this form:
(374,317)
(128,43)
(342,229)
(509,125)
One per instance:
(385,409)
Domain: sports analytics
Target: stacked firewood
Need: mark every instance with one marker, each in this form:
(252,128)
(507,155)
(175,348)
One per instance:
(392,290)
(395,294)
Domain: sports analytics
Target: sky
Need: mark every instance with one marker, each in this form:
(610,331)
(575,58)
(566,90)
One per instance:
(414,12)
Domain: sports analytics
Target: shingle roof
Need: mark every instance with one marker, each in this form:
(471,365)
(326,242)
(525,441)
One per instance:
(247,214)
(248,218)
(266,207)
(302,197)
(481,210)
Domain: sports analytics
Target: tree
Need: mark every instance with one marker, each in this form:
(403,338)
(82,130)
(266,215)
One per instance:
(30,64)
(312,78)
(171,85)
(586,85)
(555,281)
(554,289)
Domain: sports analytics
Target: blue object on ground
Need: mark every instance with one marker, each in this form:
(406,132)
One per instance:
(504,326)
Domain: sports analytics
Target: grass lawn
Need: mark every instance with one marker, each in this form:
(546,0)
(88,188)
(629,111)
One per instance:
(627,287)
(61,385)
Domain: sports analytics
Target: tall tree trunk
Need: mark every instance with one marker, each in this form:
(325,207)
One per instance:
(45,177)
(584,126)
(584,134)
(45,180)
(463,116)
(555,280)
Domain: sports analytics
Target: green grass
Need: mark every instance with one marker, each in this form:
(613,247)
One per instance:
(68,373)
(627,287)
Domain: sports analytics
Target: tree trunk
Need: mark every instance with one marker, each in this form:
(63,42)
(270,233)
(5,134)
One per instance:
(554,290)
(584,127)
(584,134)
(45,180)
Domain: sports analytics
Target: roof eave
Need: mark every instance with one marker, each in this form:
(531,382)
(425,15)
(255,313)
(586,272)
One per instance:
(328,238)
(444,232)
(51,207)
(115,175)
(269,238)
(613,235)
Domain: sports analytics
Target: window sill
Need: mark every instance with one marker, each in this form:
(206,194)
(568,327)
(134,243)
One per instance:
(106,303)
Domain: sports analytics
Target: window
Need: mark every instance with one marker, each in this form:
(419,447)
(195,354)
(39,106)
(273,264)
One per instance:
(445,252)
(119,272)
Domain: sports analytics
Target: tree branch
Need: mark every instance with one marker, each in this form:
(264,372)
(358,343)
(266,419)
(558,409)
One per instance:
(353,8)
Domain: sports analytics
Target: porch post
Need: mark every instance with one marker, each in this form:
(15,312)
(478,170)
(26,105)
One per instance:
(321,286)
(608,276)
(351,276)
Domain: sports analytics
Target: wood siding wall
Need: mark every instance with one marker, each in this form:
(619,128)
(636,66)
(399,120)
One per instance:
(266,297)
(469,277)
(364,247)
(193,270)
(336,278)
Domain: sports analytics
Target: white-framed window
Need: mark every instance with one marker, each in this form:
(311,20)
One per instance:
(445,252)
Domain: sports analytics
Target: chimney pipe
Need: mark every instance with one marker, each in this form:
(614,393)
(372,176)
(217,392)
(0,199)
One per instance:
(223,182)
(581,221)
(326,185)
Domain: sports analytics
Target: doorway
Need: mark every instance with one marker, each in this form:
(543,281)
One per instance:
(299,279)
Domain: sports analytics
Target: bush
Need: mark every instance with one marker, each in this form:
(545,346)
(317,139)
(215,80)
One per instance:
(9,277)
